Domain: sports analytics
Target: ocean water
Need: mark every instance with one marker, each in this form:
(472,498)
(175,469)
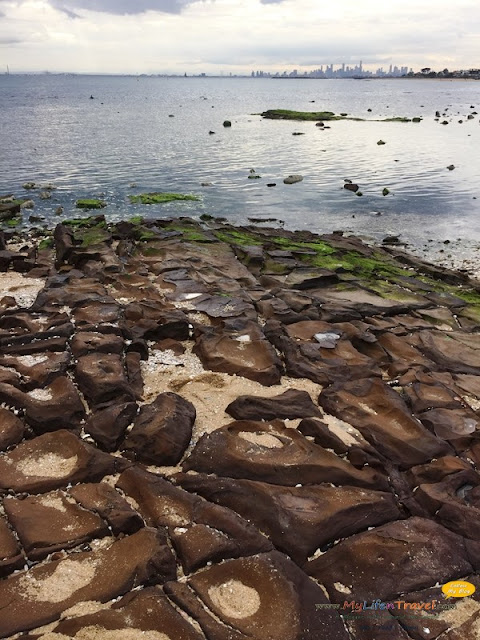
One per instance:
(154,133)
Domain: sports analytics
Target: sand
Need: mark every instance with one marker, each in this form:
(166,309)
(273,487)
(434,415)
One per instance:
(23,289)
(235,599)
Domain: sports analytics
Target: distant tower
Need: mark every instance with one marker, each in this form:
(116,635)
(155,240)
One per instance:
(361,65)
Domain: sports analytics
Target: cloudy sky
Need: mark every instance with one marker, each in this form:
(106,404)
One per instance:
(223,36)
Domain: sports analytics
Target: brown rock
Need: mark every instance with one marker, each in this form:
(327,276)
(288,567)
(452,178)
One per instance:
(32,599)
(139,612)
(91,341)
(266,597)
(419,552)
(101,378)
(108,426)
(109,504)
(52,461)
(288,405)
(51,522)
(11,429)
(273,453)
(162,430)
(382,417)
(436,470)
(58,406)
(298,520)
(201,532)
(450,353)
(244,353)
(134,373)
(11,557)
(44,369)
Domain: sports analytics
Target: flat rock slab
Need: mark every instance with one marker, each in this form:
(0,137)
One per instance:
(11,557)
(201,531)
(11,429)
(101,378)
(265,597)
(56,406)
(162,430)
(289,405)
(298,520)
(242,355)
(273,453)
(107,426)
(383,418)
(396,558)
(52,461)
(109,504)
(142,614)
(51,522)
(38,597)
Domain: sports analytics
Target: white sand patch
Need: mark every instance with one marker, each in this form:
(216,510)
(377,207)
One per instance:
(465,609)
(47,465)
(68,577)
(342,588)
(41,394)
(23,289)
(262,439)
(347,434)
(53,501)
(235,599)
(31,361)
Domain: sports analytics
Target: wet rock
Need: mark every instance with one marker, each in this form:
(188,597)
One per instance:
(11,429)
(298,520)
(266,597)
(421,551)
(134,373)
(289,405)
(382,417)
(350,186)
(101,378)
(107,426)
(52,461)
(293,179)
(37,370)
(276,454)
(109,504)
(51,522)
(162,430)
(202,532)
(29,601)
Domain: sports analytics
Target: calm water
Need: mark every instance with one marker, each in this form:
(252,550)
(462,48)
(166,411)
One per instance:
(51,131)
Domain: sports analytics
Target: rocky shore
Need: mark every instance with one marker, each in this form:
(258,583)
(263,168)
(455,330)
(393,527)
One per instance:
(227,433)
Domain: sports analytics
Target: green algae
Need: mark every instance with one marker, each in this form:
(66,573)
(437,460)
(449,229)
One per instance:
(90,203)
(46,243)
(92,221)
(234,236)
(312,116)
(160,198)
(93,236)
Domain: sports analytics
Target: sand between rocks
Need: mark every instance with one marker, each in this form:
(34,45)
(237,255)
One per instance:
(23,289)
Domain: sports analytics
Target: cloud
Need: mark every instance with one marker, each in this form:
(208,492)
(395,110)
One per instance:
(120,7)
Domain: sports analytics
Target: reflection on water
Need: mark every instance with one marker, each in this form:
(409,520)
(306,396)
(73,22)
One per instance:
(52,132)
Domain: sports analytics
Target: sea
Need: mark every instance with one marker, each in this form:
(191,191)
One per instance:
(115,136)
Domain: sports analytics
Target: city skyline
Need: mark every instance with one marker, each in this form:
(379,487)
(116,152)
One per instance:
(235,36)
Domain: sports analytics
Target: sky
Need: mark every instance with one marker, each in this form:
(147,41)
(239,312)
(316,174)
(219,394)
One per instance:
(235,36)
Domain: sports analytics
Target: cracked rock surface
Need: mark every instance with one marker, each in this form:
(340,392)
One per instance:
(223,433)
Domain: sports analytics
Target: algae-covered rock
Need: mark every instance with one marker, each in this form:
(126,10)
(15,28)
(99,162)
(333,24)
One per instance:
(90,203)
(385,191)
(381,142)
(227,123)
(160,198)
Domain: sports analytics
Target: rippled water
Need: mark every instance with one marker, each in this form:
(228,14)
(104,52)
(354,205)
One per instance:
(52,132)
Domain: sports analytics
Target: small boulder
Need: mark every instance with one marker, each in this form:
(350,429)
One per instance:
(293,179)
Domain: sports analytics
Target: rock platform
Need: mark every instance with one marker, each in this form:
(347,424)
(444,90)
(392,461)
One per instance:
(211,432)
